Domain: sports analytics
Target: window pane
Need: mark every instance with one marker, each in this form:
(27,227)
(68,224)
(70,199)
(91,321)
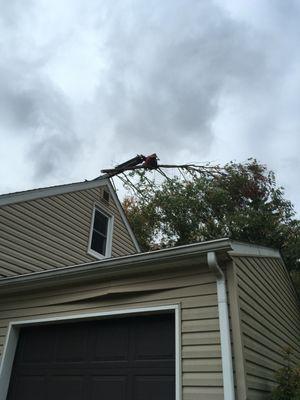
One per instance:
(98,243)
(100,222)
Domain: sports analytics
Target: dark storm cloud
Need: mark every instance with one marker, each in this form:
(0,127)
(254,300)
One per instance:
(192,80)
(171,62)
(30,106)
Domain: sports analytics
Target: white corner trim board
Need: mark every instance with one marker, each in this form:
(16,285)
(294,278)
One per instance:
(15,326)
(227,368)
(7,360)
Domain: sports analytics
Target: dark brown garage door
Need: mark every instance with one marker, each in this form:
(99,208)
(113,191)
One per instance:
(130,358)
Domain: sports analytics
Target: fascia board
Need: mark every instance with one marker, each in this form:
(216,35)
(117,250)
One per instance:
(18,197)
(249,249)
(141,262)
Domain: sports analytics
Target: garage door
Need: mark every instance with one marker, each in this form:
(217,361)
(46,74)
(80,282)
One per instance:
(130,358)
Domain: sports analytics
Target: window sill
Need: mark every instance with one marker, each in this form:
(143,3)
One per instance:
(98,255)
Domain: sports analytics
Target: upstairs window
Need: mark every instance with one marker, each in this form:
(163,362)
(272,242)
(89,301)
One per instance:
(101,234)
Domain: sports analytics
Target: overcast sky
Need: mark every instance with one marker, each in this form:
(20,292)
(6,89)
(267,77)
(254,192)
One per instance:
(88,84)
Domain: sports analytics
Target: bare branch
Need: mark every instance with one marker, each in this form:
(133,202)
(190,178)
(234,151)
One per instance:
(194,167)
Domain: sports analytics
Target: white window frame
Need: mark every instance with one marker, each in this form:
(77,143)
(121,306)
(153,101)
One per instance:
(15,327)
(110,224)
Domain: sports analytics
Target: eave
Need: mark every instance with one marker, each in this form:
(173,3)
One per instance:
(118,266)
(175,257)
(28,195)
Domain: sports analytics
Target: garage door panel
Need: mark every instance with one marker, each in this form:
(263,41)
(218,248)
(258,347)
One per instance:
(70,343)
(152,339)
(111,340)
(43,349)
(148,370)
(109,387)
(154,387)
(65,387)
(29,387)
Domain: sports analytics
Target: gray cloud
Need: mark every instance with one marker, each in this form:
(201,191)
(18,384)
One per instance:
(190,80)
(170,63)
(31,106)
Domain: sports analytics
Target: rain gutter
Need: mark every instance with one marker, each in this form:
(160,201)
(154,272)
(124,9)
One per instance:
(226,351)
(171,257)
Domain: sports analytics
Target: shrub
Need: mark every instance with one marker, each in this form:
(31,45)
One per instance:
(288,380)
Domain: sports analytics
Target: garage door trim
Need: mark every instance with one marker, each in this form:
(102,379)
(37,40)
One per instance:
(15,326)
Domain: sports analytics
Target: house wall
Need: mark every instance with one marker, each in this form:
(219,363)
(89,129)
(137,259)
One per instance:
(269,319)
(54,232)
(194,288)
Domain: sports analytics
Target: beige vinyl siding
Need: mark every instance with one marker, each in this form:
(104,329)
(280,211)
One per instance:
(54,231)
(270,320)
(193,288)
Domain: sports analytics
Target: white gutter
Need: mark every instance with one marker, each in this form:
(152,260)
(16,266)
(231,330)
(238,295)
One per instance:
(228,382)
(118,264)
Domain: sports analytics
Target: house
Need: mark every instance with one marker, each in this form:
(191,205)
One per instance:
(85,315)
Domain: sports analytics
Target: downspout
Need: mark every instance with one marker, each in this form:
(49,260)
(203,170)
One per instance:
(227,368)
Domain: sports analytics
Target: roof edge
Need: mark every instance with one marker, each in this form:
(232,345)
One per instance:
(18,197)
(117,264)
(140,261)
(250,249)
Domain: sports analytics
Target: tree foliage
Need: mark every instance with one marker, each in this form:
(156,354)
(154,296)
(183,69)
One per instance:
(287,379)
(242,203)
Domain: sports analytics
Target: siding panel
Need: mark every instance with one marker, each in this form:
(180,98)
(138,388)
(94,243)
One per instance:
(270,320)
(195,292)
(54,232)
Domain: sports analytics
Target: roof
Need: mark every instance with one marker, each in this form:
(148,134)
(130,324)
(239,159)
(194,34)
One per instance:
(27,195)
(171,257)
